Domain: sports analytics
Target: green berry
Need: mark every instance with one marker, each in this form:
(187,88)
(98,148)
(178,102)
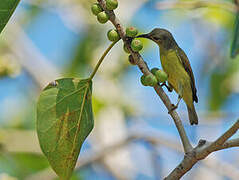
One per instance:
(143,81)
(161,76)
(153,71)
(96,9)
(113,35)
(136,45)
(131,32)
(132,60)
(111,4)
(126,49)
(102,17)
(151,80)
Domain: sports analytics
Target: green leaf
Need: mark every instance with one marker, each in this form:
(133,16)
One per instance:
(7,7)
(64,120)
(235,43)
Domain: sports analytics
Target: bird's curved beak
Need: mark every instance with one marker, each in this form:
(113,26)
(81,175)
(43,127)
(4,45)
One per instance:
(144,36)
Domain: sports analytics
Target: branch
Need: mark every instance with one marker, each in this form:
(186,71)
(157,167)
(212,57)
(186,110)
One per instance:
(202,150)
(101,59)
(197,4)
(229,144)
(156,139)
(223,138)
(192,155)
(145,70)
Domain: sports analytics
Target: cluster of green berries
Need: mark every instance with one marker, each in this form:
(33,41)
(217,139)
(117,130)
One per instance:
(136,45)
(102,16)
(131,32)
(157,76)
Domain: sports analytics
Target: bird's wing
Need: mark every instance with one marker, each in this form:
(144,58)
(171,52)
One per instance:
(186,64)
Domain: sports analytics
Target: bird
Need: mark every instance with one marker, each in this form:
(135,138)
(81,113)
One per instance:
(175,63)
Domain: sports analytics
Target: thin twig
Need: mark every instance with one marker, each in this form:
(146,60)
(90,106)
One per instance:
(229,144)
(145,70)
(101,59)
(186,144)
(223,138)
(202,150)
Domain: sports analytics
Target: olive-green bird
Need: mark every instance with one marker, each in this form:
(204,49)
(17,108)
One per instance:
(176,64)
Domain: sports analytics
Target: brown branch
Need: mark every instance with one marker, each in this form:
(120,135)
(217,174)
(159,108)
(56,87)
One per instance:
(202,150)
(229,144)
(164,5)
(223,138)
(145,70)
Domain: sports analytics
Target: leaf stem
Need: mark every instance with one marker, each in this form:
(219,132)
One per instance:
(101,59)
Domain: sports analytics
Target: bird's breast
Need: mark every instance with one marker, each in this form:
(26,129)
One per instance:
(175,70)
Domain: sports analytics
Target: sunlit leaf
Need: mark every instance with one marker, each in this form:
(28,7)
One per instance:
(7,7)
(235,43)
(64,120)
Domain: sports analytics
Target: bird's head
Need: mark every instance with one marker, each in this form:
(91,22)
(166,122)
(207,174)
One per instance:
(162,37)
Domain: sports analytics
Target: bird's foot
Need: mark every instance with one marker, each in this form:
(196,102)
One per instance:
(173,108)
(169,88)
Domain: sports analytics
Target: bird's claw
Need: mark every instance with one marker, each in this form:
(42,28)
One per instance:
(164,84)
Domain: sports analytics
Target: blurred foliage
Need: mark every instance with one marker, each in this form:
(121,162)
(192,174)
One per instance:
(84,53)
(220,17)
(235,43)
(220,82)
(9,67)
(22,165)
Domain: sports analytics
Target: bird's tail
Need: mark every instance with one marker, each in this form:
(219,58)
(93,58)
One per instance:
(192,115)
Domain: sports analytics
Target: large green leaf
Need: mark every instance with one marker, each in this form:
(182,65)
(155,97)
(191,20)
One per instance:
(7,7)
(64,120)
(235,43)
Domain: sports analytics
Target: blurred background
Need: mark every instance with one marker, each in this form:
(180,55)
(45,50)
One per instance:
(134,137)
